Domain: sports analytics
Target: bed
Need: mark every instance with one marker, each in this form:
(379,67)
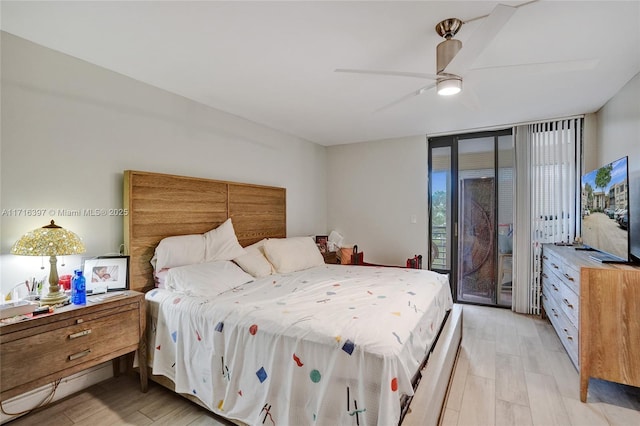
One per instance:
(327,344)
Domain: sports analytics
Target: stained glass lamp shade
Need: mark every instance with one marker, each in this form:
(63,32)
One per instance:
(50,240)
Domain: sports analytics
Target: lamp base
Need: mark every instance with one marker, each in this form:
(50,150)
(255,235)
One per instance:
(55,298)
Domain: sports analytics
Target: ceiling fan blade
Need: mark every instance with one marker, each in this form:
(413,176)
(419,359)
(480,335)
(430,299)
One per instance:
(391,73)
(480,39)
(418,92)
(543,67)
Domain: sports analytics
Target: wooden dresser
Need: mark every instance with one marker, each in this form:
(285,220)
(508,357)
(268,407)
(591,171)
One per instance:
(595,310)
(47,348)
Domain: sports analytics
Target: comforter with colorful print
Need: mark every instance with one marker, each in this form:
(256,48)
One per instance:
(334,344)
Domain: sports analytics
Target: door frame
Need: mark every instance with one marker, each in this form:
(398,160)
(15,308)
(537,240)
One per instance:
(451,141)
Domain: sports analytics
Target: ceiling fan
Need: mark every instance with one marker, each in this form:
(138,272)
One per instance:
(453,61)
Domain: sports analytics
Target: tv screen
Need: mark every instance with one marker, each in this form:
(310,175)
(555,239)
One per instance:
(634,221)
(605,211)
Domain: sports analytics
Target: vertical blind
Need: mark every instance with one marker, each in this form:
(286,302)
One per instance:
(555,162)
(548,165)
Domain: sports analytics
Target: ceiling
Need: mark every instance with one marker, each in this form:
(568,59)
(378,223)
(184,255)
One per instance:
(273,62)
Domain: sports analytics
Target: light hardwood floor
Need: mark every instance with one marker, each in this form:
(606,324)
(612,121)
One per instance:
(512,370)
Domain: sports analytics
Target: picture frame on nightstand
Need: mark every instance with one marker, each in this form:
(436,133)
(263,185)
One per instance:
(321,242)
(106,273)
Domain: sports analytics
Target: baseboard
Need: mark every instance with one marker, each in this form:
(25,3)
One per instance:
(68,385)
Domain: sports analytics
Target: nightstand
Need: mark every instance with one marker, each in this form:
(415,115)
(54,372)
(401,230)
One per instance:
(330,257)
(46,348)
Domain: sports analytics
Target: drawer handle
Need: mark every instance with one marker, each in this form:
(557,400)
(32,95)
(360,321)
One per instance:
(545,257)
(568,277)
(567,303)
(555,314)
(554,287)
(554,265)
(79,334)
(79,354)
(544,275)
(567,331)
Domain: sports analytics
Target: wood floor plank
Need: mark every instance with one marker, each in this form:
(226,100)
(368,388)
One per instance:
(478,402)
(567,379)
(183,415)
(584,414)
(488,329)
(483,360)
(620,416)
(547,408)
(548,336)
(525,325)
(110,418)
(534,357)
(205,420)
(507,339)
(450,417)
(163,405)
(511,385)
(509,414)
(456,390)
(47,416)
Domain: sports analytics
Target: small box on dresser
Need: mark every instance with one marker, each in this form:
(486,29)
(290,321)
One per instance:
(330,257)
(595,310)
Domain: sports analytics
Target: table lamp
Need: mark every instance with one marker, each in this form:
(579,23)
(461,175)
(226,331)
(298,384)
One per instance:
(50,240)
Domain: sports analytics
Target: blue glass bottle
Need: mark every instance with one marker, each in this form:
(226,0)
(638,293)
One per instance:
(78,289)
(73,285)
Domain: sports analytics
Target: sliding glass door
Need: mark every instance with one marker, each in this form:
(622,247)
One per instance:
(471,214)
(441,208)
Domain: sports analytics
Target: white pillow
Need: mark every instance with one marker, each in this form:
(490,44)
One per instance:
(160,276)
(254,262)
(179,251)
(221,243)
(292,254)
(206,279)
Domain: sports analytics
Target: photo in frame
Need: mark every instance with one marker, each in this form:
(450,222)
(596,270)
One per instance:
(321,242)
(106,272)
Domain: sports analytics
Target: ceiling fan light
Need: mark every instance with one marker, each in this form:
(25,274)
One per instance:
(449,86)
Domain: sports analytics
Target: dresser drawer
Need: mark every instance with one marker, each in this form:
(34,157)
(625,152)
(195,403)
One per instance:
(550,281)
(557,288)
(568,273)
(569,303)
(568,335)
(551,308)
(566,331)
(47,349)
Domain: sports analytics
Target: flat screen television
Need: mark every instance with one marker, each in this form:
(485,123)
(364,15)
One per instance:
(605,212)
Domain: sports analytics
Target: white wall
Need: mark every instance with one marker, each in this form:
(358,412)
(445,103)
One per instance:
(70,128)
(619,126)
(374,189)
(619,135)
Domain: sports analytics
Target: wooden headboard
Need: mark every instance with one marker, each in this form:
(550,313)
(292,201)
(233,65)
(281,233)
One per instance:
(162,205)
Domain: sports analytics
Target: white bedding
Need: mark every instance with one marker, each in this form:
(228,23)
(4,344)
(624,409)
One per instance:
(329,345)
